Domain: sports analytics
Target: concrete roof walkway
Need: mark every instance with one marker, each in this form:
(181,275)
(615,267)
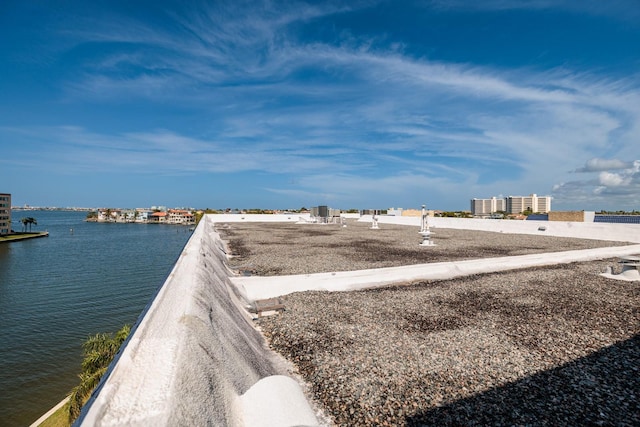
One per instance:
(256,288)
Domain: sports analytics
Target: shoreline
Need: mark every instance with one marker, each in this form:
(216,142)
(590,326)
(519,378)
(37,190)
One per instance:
(50,412)
(16,237)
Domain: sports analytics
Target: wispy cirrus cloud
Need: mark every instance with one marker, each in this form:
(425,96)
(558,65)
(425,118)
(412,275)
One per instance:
(620,9)
(75,150)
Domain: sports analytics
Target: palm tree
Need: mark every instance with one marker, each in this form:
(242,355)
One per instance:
(99,351)
(28,221)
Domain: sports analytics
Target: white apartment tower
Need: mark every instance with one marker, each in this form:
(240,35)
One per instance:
(483,207)
(5,213)
(533,203)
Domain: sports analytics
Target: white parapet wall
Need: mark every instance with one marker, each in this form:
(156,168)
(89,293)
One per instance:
(290,217)
(582,230)
(194,354)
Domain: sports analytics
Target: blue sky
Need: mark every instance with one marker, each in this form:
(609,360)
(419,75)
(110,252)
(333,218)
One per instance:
(283,104)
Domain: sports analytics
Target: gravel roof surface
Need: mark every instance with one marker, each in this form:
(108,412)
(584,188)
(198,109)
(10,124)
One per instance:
(542,346)
(270,249)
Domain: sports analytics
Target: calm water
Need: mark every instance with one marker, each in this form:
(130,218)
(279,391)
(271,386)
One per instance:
(57,290)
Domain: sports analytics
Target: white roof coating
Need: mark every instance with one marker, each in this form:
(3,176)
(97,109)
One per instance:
(195,358)
(256,287)
(276,401)
(194,355)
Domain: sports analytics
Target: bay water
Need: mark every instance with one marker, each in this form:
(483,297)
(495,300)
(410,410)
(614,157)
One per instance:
(85,278)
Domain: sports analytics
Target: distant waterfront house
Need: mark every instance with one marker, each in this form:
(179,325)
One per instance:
(127,215)
(158,218)
(108,215)
(143,215)
(5,213)
(180,216)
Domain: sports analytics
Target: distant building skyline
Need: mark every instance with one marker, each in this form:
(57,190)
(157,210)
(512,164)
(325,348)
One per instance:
(485,207)
(511,205)
(531,203)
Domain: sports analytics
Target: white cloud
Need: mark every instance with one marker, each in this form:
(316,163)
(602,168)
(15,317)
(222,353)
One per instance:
(608,179)
(597,164)
(613,189)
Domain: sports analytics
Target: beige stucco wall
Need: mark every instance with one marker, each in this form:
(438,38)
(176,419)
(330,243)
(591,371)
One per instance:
(416,212)
(575,216)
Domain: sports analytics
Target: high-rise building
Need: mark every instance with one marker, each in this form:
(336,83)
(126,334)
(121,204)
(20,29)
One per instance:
(532,203)
(511,204)
(485,207)
(5,213)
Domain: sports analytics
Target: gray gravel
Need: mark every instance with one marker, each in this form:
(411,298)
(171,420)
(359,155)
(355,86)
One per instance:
(543,346)
(277,249)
